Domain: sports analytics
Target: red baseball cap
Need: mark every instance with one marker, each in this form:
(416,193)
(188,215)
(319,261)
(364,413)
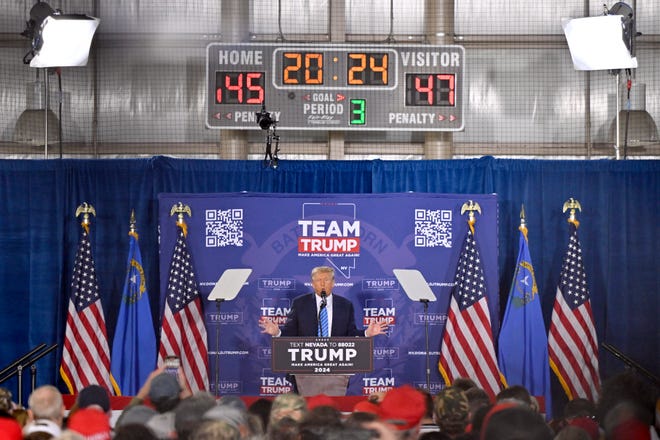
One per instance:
(402,407)
(367,407)
(90,423)
(320,400)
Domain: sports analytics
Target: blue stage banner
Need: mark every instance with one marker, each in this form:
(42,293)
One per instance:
(364,237)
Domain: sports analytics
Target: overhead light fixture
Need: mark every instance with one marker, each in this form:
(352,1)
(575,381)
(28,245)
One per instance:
(58,40)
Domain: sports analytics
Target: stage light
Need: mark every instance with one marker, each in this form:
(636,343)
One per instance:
(598,43)
(58,40)
(607,42)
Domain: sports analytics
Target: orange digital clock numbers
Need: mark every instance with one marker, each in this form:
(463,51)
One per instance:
(368,69)
(302,68)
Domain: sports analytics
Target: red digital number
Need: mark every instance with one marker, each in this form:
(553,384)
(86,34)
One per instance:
(428,89)
(239,88)
(252,87)
(451,92)
(437,89)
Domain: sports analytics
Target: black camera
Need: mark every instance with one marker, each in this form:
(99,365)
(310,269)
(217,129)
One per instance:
(264,119)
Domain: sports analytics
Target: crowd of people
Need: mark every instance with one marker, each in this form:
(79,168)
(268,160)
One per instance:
(163,409)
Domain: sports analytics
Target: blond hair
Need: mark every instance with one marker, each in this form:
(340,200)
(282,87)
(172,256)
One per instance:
(323,269)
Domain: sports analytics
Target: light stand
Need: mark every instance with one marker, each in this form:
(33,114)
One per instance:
(46,106)
(58,40)
(604,43)
(230,283)
(270,158)
(417,289)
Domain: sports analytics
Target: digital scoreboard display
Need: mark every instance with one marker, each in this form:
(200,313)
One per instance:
(336,87)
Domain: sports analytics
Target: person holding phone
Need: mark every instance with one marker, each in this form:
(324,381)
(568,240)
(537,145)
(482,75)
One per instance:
(165,387)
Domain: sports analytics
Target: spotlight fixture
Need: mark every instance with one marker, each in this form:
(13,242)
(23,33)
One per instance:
(599,43)
(607,42)
(58,40)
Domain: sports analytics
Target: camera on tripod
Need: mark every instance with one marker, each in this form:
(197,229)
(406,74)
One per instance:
(268,123)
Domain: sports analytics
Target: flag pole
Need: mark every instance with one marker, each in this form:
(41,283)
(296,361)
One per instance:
(469,319)
(183,330)
(572,339)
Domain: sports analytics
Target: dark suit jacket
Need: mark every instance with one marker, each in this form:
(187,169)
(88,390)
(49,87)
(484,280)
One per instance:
(303,317)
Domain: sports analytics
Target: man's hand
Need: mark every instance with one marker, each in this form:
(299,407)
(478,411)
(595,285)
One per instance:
(268,326)
(376,328)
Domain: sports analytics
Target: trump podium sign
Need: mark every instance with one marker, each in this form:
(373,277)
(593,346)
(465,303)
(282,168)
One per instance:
(364,237)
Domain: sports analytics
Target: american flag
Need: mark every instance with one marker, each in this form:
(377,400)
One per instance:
(86,356)
(467,343)
(573,344)
(183,333)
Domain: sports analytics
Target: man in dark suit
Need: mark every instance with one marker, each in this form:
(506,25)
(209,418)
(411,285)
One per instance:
(303,319)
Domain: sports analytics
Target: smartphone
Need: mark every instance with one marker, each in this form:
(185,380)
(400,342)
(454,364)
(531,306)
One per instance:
(172,364)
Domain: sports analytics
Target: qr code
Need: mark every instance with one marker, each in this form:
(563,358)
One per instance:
(432,228)
(224,227)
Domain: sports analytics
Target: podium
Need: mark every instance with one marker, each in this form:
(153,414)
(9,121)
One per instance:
(330,385)
(322,365)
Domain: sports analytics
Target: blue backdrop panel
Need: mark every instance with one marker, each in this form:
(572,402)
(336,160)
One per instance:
(618,231)
(364,237)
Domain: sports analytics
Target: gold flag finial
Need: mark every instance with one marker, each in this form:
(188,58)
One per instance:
(471,206)
(180,209)
(523,221)
(86,209)
(572,205)
(132,225)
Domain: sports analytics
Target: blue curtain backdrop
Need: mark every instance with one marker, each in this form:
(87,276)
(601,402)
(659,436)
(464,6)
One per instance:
(38,236)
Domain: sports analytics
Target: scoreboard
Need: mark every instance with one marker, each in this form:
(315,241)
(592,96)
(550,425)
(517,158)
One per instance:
(336,87)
